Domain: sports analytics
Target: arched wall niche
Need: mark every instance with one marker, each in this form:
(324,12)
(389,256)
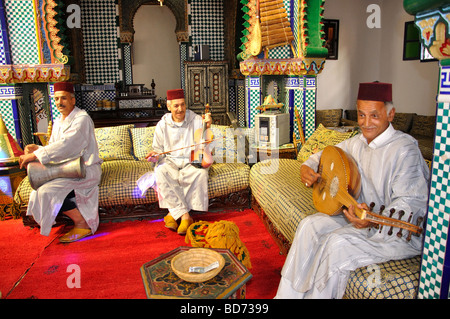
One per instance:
(128,8)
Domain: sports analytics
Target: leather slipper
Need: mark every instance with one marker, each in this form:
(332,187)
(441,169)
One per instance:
(184,225)
(75,234)
(170,222)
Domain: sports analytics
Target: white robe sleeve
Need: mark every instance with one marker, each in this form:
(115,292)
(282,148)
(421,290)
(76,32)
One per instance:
(71,144)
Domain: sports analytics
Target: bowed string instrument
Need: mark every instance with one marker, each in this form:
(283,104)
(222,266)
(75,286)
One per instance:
(201,156)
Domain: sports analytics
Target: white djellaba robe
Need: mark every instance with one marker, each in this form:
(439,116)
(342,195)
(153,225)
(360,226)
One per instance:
(181,187)
(326,248)
(70,139)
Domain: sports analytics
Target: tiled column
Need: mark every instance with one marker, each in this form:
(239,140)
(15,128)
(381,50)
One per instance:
(253,98)
(294,100)
(435,269)
(309,105)
(10,98)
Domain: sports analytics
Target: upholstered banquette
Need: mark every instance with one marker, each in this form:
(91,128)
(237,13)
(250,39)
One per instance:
(123,149)
(282,201)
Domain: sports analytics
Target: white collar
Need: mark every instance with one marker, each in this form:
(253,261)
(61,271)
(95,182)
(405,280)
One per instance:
(381,139)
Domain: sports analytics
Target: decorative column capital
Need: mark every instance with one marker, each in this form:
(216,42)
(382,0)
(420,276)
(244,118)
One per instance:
(434,26)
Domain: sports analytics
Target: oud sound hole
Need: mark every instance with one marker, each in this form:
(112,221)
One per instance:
(334,186)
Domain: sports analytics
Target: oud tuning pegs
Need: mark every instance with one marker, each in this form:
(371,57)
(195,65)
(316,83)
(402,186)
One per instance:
(382,207)
(419,223)
(408,238)
(391,212)
(400,215)
(371,206)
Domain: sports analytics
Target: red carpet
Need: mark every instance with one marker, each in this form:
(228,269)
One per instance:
(109,262)
(20,247)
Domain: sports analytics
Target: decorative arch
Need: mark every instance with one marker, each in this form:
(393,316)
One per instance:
(127,11)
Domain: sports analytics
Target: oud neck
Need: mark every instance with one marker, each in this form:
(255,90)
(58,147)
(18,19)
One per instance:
(346,199)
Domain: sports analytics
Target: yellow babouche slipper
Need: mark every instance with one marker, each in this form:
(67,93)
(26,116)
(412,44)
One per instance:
(75,234)
(184,225)
(170,222)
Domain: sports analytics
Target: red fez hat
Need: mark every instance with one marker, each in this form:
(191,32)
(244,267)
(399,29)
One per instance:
(63,86)
(175,94)
(375,91)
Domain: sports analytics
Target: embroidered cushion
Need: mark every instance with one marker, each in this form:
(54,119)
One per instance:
(142,138)
(229,141)
(321,138)
(114,142)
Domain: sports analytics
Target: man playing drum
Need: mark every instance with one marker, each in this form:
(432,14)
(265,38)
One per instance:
(72,137)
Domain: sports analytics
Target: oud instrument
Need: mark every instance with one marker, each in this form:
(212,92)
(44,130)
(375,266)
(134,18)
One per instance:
(39,174)
(340,184)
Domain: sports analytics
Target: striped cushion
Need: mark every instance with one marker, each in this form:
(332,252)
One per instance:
(118,184)
(227,178)
(398,279)
(277,187)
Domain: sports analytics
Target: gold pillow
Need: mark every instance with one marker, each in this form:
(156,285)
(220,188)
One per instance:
(142,141)
(114,142)
(321,138)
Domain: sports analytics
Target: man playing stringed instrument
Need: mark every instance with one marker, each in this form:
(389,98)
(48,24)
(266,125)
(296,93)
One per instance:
(181,187)
(393,174)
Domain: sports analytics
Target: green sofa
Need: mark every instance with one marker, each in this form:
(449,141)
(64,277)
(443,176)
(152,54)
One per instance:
(123,149)
(282,201)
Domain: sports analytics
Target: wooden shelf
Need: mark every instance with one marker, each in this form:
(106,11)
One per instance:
(141,117)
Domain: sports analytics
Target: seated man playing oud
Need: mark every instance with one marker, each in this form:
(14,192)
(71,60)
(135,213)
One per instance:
(182,187)
(393,173)
(72,137)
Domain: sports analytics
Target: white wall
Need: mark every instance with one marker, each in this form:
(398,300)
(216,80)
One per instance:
(367,55)
(155,49)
